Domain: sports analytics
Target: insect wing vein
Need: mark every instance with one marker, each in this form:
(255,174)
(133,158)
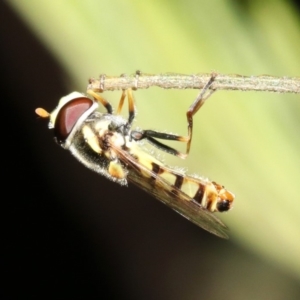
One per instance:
(171,196)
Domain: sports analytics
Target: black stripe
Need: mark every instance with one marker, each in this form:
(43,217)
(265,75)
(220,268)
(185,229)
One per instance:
(178,181)
(155,170)
(209,204)
(199,194)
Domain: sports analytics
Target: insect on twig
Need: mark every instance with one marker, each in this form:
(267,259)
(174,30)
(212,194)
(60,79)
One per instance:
(106,143)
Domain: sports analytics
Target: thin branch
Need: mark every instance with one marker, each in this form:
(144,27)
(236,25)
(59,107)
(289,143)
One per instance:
(140,80)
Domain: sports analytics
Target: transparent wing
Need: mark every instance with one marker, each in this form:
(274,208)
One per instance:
(171,196)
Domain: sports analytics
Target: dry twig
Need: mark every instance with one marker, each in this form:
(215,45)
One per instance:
(140,80)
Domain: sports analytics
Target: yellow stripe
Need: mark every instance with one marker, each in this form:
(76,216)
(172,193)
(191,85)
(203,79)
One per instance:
(144,159)
(116,170)
(189,187)
(91,138)
(169,177)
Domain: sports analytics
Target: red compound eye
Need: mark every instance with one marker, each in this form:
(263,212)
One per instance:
(68,117)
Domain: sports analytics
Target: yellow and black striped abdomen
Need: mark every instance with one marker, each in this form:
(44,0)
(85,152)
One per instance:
(198,190)
(208,194)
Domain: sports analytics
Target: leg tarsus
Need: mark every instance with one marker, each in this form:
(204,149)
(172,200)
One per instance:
(196,105)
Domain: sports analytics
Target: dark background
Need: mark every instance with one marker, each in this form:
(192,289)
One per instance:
(69,233)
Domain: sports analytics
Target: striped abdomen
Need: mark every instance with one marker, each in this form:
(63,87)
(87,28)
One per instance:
(208,194)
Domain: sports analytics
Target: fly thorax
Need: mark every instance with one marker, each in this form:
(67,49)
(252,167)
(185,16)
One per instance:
(117,139)
(102,127)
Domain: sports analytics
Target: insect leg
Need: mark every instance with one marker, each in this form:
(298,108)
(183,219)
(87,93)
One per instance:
(150,136)
(121,103)
(131,108)
(198,102)
(101,100)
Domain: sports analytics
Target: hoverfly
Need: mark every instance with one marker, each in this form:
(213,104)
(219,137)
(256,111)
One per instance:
(105,143)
